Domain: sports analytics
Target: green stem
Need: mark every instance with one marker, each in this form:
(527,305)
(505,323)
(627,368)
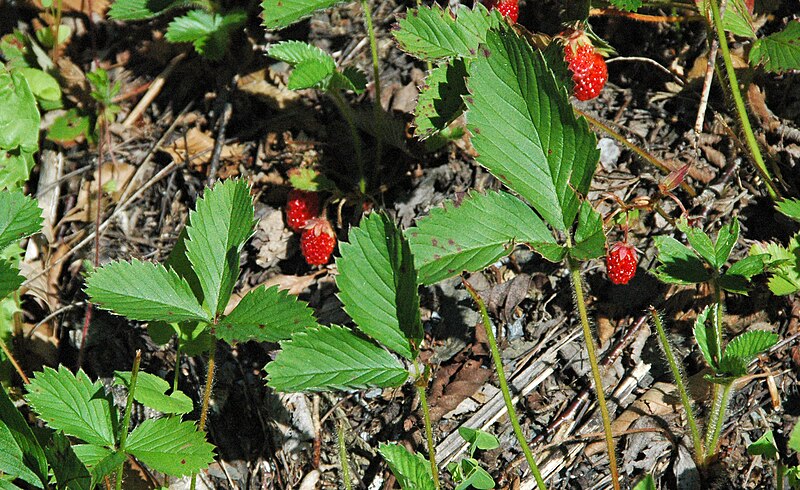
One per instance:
(126,421)
(699,451)
(343,459)
(712,437)
(739,102)
(206,399)
(177,365)
(598,381)
(780,472)
(426,415)
(376,75)
(717,322)
(498,366)
(347,114)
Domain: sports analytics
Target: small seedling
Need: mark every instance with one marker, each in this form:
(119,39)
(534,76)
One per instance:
(765,447)
(467,472)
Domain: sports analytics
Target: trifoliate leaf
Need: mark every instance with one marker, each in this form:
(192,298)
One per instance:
(478,439)
(151,392)
(20,217)
(441,98)
(283,13)
(145,9)
(333,358)
(170,446)
(223,221)
(678,263)
(411,471)
(33,456)
(704,335)
(265,315)
(432,33)
(764,446)
(778,52)
(474,233)
(209,32)
(743,349)
(525,131)
(74,404)
(144,291)
(590,238)
(378,285)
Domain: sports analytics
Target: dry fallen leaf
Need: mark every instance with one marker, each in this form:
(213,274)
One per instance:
(197,146)
(113,179)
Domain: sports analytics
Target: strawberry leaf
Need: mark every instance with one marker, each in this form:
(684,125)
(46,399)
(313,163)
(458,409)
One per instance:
(151,392)
(283,13)
(217,230)
(410,470)
(646,483)
(525,131)
(68,470)
(590,239)
(10,278)
(764,446)
(145,9)
(726,239)
(704,336)
(12,465)
(332,358)
(209,33)
(144,291)
(472,234)
(779,52)
(737,278)
(20,217)
(700,242)
(265,315)
(440,100)
(32,454)
(378,285)
(74,404)
(433,33)
(794,439)
(170,446)
(629,5)
(743,349)
(790,208)
(678,263)
(19,119)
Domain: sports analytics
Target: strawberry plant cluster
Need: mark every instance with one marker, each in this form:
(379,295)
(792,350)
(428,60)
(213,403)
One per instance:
(508,97)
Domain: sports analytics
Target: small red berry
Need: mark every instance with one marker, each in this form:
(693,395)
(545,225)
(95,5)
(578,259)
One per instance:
(588,67)
(621,263)
(508,8)
(318,241)
(301,206)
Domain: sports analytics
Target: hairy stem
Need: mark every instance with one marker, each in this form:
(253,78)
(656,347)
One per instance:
(426,415)
(739,103)
(206,398)
(347,114)
(498,367)
(123,435)
(699,451)
(598,381)
(343,459)
(717,418)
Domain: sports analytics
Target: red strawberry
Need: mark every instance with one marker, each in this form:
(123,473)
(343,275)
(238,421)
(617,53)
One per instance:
(621,263)
(509,8)
(318,241)
(301,206)
(588,67)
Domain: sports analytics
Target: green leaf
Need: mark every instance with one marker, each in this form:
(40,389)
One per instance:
(146,9)
(309,179)
(647,483)
(283,13)
(704,336)
(473,234)
(378,285)
(790,207)
(525,131)
(69,126)
(19,117)
(700,242)
(179,262)
(10,278)
(678,263)
(170,446)
(333,358)
(151,392)
(100,461)
(69,471)
(296,52)
(351,78)
(43,85)
(794,439)
(478,439)
(726,239)
(12,460)
(737,278)
(764,446)
(778,52)
(782,264)
(411,471)
(474,476)
(629,5)
(308,74)
(743,349)
(74,404)
(590,239)
(91,454)
(144,291)
(20,217)
(208,32)
(441,98)
(432,33)
(15,168)
(217,231)
(33,455)
(265,315)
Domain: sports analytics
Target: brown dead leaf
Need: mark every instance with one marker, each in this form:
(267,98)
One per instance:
(257,85)
(113,178)
(454,383)
(198,147)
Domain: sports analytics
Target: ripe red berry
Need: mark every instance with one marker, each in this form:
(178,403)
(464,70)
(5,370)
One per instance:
(621,263)
(509,8)
(301,206)
(588,69)
(318,241)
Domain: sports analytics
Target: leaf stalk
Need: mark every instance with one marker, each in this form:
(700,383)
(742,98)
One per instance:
(126,421)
